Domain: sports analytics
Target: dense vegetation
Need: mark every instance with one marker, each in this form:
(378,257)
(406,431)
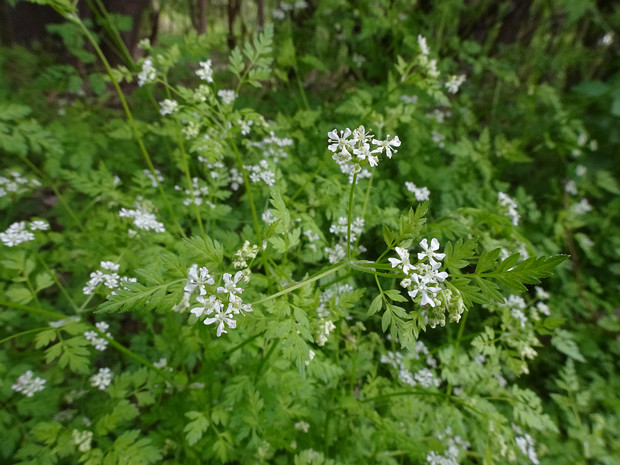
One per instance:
(310,232)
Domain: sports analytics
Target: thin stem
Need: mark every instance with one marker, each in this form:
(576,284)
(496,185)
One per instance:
(350,214)
(58,283)
(301,284)
(130,120)
(23,333)
(455,351)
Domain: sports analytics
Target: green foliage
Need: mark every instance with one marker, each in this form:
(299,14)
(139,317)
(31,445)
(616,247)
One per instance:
(191,274)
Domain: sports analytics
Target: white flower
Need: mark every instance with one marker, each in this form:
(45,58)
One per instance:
(422,288)
(339,142)
(387,145)
(16,234)
(510,206)
(230,284)
(210,305)
(421,194)
(454,83)
(227,96)
(198,278)
(402,262)
(107,265)
(39,225)
(205,72)
(28,385)
(82,439)
(102,379)
(221,318)
(302,426)
(148,72)
(167,107)
(142,219)
(430,252)
(582,207)
(423,45)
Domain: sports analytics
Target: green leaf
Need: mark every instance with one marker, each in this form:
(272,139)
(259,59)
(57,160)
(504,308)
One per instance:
(386,320)
(487,260)
(43,281)
(376,305)
(204,251)
(564,341)
(396,295)
(195,429)
(459,254)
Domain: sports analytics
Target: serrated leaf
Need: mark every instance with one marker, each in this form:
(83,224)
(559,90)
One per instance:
(204,251)
(195,429)
(487,260)
(386,319)
(376,305)
(396,295)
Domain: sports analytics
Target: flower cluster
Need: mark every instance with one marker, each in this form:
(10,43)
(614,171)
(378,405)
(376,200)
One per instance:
(424,377)
(283,7)
(28,385)
(261,172)
(324,330)
(526,444)
(509,206)
(147,73)
(352,148)
(102,379)
(108,276)
(195,195)
(82,439)
(454,445)
(454,83)
(100,343)
(227,96)
(18,233)
(15,184)
(205,72)
(218,309)
(421,194)
(337,253)
(142,218)
(272,147)
(429,65)
(168,106)
(425,284)
(246,253)
(155,179)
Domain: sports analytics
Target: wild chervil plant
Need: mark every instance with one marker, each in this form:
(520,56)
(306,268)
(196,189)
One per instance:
(218,276)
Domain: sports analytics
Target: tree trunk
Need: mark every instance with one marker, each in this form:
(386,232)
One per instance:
(201,27)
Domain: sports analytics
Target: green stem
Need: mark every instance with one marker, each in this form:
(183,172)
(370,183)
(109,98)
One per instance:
(349,216)
(327,272)
(58,283)
(23,333)
(455,351)
(130,120)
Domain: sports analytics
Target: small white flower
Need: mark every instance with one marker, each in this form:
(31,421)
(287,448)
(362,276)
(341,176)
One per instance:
(454,83)
(227,96)
(423,45)
(39,225)
(167,107)
(302,426)
(402,262)
(387,145)
(221,318)
(82,439)
(102,379)
(148,72)
(339,142)
(230,284)
(205,72)
(430,252)
(198,278)
(16,234)
(209,306)
(28,385)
